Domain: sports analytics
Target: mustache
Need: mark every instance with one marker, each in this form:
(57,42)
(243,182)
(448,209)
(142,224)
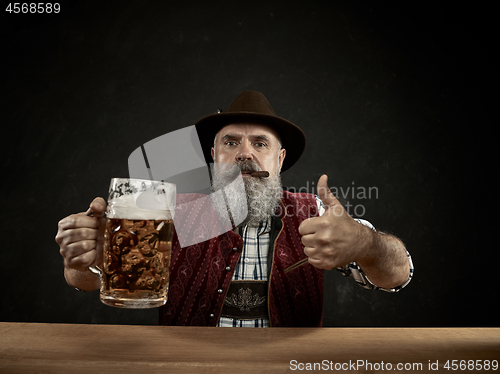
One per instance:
(248,165)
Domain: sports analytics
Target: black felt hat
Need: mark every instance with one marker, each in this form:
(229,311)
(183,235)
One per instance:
(252,107)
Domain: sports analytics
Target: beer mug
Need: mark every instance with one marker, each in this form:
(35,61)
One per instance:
(137,243)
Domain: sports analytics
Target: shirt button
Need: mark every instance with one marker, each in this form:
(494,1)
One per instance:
(228,268)
(220,290)
(211,315)
(247,260)
(235,249)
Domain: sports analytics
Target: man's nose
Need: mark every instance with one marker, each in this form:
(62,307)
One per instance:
(244,153)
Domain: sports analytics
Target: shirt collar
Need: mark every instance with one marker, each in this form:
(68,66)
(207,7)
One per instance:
(263,227)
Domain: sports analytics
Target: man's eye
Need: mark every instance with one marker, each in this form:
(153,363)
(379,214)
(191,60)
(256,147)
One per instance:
(230,143)
(260,144)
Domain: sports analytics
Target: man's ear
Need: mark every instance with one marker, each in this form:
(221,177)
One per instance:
(282,156)
(212,151)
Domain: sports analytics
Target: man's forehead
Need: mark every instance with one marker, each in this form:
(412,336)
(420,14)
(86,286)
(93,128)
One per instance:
(249,129)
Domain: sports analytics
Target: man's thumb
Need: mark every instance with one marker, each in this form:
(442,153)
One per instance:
(97,207)
(324,192)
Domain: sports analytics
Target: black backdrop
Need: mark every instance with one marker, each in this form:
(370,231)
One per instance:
(391,97)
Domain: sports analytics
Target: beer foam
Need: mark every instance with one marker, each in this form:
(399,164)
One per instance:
(142,206)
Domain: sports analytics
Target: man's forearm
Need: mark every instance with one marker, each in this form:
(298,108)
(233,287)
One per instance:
(385,261)
(85,281)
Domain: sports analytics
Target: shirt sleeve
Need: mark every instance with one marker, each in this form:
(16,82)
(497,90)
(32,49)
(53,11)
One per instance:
(354,271)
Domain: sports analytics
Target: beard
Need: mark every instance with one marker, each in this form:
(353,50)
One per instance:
(263,195)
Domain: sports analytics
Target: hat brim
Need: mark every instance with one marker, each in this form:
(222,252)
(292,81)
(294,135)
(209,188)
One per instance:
(292,137)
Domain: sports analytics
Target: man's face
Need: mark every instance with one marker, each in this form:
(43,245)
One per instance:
(249,142)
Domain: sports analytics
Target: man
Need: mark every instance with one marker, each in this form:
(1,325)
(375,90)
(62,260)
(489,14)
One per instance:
(268,271)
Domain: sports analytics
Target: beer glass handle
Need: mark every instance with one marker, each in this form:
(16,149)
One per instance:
(93,269)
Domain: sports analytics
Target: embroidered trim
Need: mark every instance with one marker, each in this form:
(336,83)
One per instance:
(244,300)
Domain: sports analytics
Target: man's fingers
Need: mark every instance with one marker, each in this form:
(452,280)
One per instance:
(312,257)
(77,221)
(78,248)
(308,226)
(310,252)
(76,235)
(80,236)
(82,261)
(317,263)
(308,240)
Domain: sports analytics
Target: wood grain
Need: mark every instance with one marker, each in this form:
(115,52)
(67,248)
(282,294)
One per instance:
(63,348)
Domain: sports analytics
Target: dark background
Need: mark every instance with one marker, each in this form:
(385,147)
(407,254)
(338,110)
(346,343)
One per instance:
(391,95)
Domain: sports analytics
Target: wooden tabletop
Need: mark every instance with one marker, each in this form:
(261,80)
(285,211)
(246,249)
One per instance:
(66,348)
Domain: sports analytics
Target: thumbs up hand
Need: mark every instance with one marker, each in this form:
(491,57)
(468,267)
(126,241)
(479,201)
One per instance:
(334,239)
